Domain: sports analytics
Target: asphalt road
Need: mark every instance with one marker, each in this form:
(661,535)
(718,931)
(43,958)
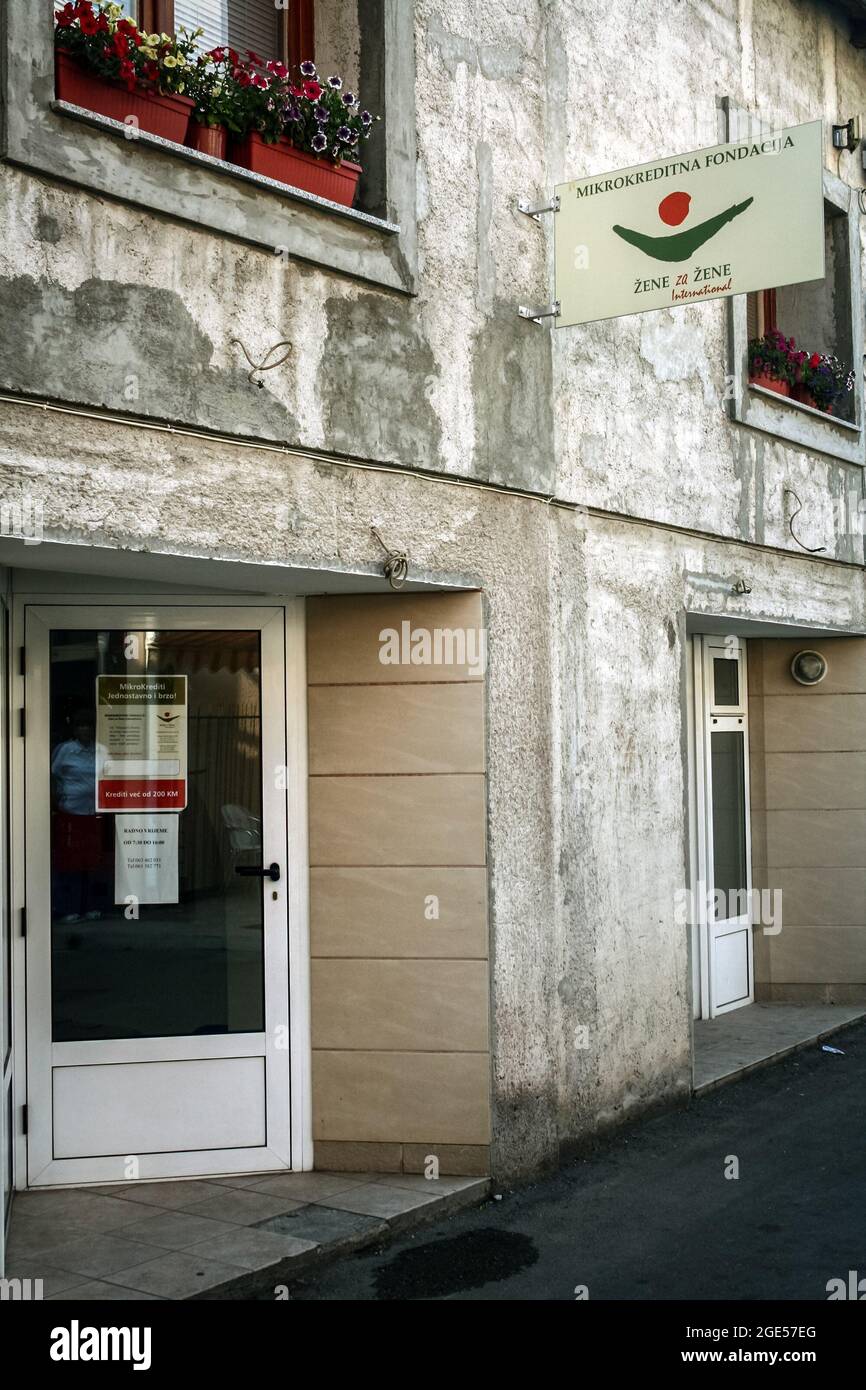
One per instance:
(651,1215)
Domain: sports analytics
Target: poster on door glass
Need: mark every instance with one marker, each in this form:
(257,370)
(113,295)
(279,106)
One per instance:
(145,859)
(141,740)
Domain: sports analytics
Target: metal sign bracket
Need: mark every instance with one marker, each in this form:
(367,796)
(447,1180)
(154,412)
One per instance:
(534,210)
(537,312)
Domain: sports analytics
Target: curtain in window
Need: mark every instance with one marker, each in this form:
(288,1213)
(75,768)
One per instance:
(244,24)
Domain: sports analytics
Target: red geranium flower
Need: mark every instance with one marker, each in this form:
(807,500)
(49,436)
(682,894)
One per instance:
(233,57)
(312,90)
(121,44)
(66,16)
(254,58)
(815,359)
(127,72)
(278,69)
(217,54)
(88,23)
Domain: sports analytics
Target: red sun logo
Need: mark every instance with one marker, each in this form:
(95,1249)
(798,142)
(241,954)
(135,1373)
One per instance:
(674,209)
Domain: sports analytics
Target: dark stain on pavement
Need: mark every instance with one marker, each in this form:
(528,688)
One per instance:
(454,1264)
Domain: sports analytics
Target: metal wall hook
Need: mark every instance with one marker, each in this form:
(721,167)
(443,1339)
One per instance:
(810,549)
(264,365)
(396,566)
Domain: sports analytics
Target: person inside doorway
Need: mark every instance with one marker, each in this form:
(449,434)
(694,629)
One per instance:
(79,859)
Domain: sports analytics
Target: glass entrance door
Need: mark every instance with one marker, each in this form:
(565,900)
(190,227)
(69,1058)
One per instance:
(724,841)
(156,877)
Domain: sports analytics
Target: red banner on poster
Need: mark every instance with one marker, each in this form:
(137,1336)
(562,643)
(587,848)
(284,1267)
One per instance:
(139,794)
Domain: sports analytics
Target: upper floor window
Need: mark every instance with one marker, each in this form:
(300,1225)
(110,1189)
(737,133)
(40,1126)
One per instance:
(259,26)
(232,79)
(815,365)
(797,351)
(68,132)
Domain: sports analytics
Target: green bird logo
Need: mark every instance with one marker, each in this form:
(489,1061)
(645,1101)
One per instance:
(680,246)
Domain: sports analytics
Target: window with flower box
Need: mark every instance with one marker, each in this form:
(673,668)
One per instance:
(242,73)
(815,367)
(374,240)
(796,366)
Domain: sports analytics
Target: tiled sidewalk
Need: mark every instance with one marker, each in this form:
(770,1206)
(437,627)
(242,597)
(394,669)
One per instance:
(737,1042)
(214,1237)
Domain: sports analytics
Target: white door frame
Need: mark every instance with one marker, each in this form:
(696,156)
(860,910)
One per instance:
(6,1058)
(287,1033)
(709,718)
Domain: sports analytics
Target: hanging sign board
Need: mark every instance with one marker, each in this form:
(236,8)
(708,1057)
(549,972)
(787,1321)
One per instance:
(141,743)
(716,222)
(145,859)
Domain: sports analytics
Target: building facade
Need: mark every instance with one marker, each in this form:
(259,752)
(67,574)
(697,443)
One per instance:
(494,795)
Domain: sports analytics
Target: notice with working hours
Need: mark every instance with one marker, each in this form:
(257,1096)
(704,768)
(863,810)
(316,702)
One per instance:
(145,859)
(141,740)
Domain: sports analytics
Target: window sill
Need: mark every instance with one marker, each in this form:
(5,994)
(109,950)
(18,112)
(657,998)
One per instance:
(223,167)
(788,403)
(784,418)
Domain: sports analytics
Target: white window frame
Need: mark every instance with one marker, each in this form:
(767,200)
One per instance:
(779,415)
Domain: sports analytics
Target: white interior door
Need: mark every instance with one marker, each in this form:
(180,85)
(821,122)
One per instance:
(157,952)
(724,895)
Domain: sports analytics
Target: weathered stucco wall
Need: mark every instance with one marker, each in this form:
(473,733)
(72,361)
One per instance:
(586,732)
(628,415)
(641,418)
(108,305)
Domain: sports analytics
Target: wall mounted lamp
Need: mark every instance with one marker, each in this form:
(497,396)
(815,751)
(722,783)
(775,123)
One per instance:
(847,136)
(809,668)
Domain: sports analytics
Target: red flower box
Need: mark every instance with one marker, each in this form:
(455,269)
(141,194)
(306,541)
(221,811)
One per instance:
(311,173)
(208,139)
(155,112)
(771,383)
(802,394)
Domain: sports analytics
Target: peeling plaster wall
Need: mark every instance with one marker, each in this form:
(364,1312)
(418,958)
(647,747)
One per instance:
(107,305)
(586,733)
(640,424)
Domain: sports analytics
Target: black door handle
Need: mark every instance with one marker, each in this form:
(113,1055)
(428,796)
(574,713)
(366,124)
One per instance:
(259,871)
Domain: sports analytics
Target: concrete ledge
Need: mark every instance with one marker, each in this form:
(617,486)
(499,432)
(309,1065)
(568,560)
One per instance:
(235,1237)
(761,1051)
(261,1281)
(221,166)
